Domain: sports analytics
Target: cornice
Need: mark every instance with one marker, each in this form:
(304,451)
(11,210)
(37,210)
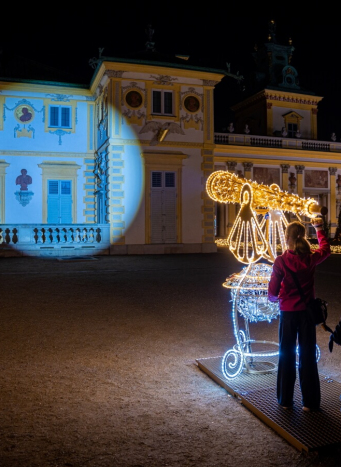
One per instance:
(270,95)
(43,154)
(279,156)
(210,78)
(42,87)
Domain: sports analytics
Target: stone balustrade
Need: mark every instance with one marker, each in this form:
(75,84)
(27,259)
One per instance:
(54,239)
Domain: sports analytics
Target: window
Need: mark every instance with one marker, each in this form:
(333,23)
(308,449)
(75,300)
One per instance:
(59,116)
(292,130)
(162,102)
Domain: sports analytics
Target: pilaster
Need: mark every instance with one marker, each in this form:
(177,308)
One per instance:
(247,170)
(299,175)
(285,184)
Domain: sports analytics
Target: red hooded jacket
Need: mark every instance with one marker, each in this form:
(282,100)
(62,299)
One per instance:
(282,287)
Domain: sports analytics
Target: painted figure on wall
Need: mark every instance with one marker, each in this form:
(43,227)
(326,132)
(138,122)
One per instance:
(265,175)
(316,178)
(24,113)
(23,180)
(191,104)
(134,99)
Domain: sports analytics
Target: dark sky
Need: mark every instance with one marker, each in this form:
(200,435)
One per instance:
(225,33)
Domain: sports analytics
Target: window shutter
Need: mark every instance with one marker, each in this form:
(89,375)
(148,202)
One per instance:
(163,208)
(168,103)
(59,202)
(156,217)
(156,179)
(169,202)
(157,102)
(53,187)
(169,179)
(53,209)
(65,117)
(54,112)
(66,210)
(65,187)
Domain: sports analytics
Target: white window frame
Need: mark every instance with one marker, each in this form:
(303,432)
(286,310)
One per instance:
(163,92)
(60,107)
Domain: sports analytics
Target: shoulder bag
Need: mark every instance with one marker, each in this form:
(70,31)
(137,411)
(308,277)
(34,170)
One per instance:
(316,307)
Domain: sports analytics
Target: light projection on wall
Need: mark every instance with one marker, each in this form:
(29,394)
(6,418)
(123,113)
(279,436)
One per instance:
(255,239)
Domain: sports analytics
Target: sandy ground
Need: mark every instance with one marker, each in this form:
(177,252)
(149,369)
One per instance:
(98,365)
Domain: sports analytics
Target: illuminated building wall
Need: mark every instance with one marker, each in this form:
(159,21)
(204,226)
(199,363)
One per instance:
(133,152)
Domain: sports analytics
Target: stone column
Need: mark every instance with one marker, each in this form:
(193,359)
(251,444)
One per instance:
(285,169)
(247,170)
(299,176)
(332,213)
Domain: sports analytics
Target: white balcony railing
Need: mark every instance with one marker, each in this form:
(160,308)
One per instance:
(277,142)
(54,239)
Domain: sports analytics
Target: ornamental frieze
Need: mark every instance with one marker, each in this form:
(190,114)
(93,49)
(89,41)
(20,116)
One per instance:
(164,80)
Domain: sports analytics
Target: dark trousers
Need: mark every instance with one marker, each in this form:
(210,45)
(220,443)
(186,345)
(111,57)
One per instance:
(295,327)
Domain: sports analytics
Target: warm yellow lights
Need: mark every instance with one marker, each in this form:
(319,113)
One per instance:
(251,238)
(226,187)
(246,229)
(257,232)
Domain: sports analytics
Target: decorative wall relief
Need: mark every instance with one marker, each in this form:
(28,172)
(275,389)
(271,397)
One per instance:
(161,130)
(24,113)
(60,97)
(60,133)
(164,80)
(191,104)
(316,178)
(266,175)
(134,99)
(24,196)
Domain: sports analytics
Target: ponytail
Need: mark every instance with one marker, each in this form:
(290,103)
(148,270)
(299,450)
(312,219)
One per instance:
(296,231)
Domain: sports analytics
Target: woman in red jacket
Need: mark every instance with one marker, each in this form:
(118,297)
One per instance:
(294,322)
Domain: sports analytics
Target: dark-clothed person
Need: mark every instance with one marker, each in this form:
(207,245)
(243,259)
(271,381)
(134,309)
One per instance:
(295,328)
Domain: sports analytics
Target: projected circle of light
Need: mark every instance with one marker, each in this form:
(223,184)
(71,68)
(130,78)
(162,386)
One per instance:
(121,168)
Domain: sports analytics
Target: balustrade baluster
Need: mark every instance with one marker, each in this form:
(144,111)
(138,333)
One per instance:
(77,235)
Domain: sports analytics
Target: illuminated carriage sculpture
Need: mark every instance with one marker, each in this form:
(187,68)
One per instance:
(257,234)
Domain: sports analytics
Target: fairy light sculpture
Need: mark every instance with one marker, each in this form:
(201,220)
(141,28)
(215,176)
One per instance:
(257,234)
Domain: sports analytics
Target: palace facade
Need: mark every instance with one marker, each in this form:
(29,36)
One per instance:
(120,166)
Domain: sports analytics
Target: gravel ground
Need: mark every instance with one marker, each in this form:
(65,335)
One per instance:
(98,365)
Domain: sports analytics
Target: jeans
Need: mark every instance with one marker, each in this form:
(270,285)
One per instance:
(294,326)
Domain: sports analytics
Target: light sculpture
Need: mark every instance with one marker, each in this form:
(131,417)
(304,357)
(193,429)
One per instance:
(255,238)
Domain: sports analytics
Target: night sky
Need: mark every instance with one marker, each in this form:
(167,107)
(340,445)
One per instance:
(222,34)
